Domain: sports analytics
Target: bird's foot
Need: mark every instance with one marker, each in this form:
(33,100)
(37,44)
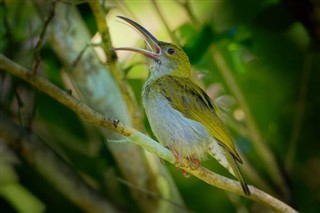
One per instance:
(161,161)
(178,162)
(195,163)
(185,174)
(178,158)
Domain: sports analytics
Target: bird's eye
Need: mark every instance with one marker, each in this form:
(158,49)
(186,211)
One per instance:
(171,51)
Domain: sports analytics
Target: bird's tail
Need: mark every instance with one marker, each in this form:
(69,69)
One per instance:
(226,159)
(236,171)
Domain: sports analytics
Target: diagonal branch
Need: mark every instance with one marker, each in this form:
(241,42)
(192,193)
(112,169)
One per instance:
(172,35)
(34,151)
(262,149)
(37,56)
(117,73)
(98,89)
(137,137)
(299,115)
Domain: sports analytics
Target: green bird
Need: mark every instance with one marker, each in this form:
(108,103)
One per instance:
(180,113)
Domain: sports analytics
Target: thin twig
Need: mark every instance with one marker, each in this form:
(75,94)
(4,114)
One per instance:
(37,56)
(235,89)
(124,8)
(7,28)
(111,56)
(300,112)
(137,137)
(172,35)
(253,131)
(20,106)
(79,57)
(97,88)
(186,5)
(46,162)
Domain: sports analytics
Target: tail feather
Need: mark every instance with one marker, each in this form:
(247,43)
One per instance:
(234,165)
(227,160)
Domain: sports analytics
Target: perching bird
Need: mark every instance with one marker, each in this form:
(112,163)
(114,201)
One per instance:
(180,113)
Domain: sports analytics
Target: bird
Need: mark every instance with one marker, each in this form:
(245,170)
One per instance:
(181,115)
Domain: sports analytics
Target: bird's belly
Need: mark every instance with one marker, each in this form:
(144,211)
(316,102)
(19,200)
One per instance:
(174,130)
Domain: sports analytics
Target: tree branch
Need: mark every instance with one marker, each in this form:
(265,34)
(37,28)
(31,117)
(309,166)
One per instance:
(172,35)
(117,73)
(186,5)
(253,131)
(299,115)
(46,162)
(98,89)
(137,137)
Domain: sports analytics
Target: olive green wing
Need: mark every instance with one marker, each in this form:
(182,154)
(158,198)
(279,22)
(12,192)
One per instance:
(194,103)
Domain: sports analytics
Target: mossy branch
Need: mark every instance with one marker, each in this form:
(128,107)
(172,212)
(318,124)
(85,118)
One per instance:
(32,150)
(117,73)
(96,87)
(137,137)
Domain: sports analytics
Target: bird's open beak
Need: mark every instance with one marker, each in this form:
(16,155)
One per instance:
(152,42)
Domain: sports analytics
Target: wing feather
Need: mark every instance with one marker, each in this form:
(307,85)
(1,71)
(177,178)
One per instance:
(186,96)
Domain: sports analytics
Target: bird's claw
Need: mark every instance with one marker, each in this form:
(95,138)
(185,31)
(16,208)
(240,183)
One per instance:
(178,158)
(195,163)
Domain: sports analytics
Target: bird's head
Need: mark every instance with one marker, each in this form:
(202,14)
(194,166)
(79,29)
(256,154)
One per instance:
(164,58)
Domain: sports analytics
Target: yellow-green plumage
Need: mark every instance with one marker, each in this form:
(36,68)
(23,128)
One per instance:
(194,103)
(180,113)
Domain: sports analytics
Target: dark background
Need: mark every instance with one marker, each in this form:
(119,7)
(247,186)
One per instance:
(271,50)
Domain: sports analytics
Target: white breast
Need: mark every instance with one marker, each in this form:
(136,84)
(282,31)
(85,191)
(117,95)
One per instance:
(173,129)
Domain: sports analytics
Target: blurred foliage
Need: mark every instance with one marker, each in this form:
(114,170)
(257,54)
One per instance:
(273,60)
